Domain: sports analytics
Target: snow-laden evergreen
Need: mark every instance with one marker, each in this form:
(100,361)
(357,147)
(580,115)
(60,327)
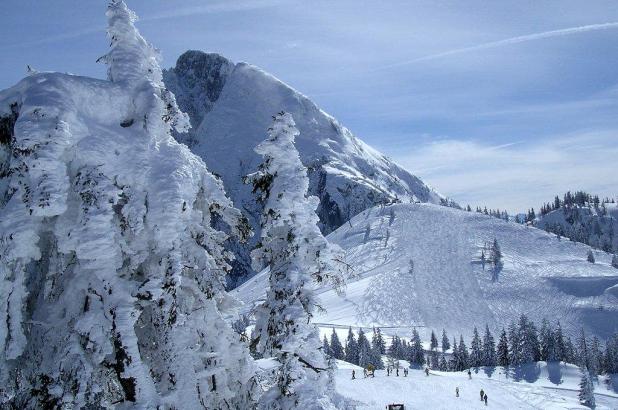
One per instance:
(298,257)
(586,390)
(112,274)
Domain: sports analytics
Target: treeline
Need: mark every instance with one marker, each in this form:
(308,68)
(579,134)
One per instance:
(522,342)
(496,213)
(579,198)
(586,220)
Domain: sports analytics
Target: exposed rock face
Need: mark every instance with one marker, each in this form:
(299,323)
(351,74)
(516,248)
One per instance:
(231,107)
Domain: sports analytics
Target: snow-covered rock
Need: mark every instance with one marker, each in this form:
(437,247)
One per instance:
(419,265)
(231,107)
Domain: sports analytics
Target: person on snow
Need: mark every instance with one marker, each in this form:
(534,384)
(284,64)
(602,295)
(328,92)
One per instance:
(405,372)
(469,374)
(388,371)
(482,394)
(353,374)
(456,391)
(485,400)
(426,371)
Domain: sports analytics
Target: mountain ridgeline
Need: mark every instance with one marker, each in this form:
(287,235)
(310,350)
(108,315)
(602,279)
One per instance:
(231,107)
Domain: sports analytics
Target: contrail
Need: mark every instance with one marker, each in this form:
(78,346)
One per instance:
(508,41)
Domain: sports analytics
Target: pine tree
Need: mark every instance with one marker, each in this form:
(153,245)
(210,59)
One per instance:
(351,348)
(547,343)
(476,355)
(417,354)
(586,389)
(442,365)
(515,351)
(582,353)
(445,342)
(365,357)
(590,257)
(298,256)
(378,341)
(464,355)
(559,344)
(489,348)
(503,354)
(326,347)
(496,255)
(434,341)
(336,348)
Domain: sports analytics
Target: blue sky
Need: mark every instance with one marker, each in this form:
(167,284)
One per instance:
(467,95)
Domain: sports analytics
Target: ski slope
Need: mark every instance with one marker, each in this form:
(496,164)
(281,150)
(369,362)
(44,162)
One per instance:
(447,287)
(538,386)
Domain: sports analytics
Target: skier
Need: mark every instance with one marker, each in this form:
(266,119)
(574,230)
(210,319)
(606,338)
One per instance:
(485,400)
(482,394)
(405,372)
(469,374)
(397,370)
(353,374)
(456,391)
(426,371)
(388,371)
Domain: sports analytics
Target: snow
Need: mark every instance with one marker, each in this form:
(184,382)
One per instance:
(546,386)
(231,107)
(542,276)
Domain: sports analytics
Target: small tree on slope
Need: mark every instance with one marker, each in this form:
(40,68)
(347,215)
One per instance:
(298,256)
(590,257)
(586,389)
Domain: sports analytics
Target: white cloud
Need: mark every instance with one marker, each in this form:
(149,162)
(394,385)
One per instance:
(518,175)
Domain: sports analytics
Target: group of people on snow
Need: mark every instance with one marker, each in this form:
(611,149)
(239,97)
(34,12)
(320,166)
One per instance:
(370,372)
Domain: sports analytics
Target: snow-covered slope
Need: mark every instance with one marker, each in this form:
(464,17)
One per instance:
(418,265)
(534,386)
(231,106)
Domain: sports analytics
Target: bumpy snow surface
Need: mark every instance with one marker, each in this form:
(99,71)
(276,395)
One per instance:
(231,107)
(418,265)
(535,386)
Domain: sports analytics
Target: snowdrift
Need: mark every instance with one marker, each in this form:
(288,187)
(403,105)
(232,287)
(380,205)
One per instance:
(419,265)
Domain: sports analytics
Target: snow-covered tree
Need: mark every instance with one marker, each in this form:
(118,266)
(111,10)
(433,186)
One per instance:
(463,354)
(445,342)
(560,352)
(299,257)
(416,352)
(489,348)
(586,389)
(112,273)
(433,341)
(365,357)
(590,257)
(476,354)
(134,63)
(547,342)
(502,351)
(326,347)
(496,255)
(442,365)
(377,341)
(336,348)
(351,348)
